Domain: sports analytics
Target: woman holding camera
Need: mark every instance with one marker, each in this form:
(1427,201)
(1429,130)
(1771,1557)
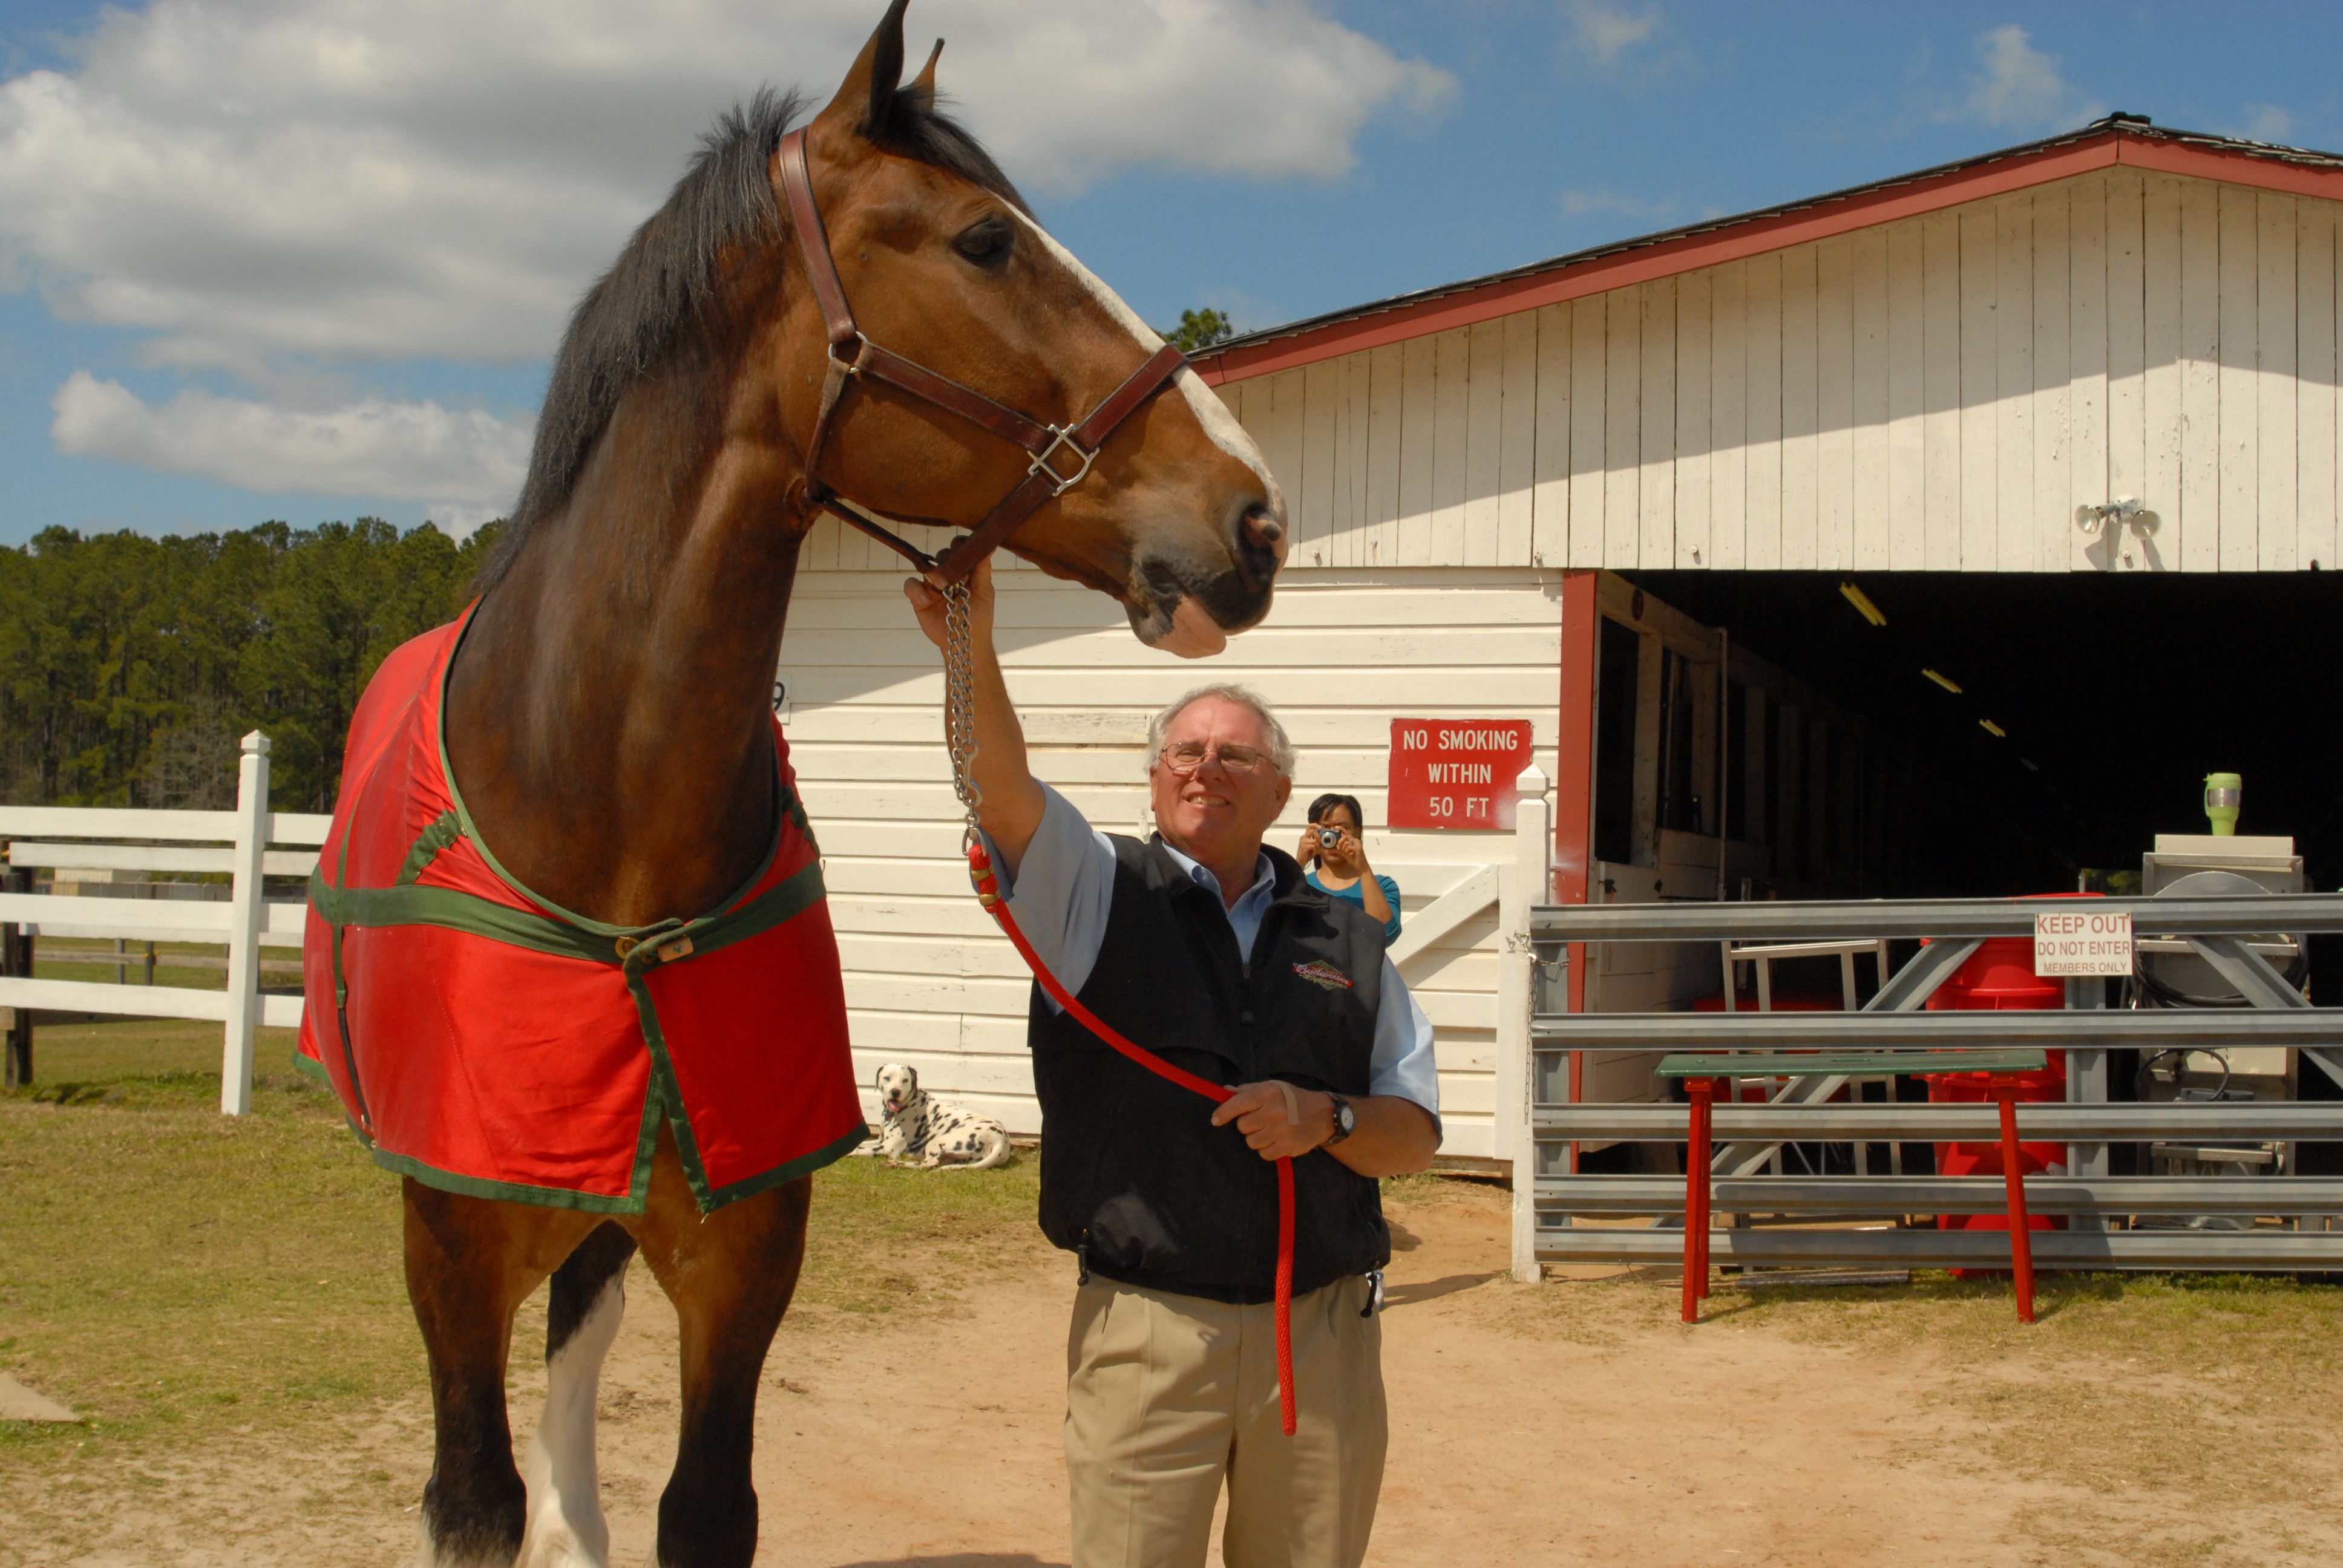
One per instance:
(1336,861)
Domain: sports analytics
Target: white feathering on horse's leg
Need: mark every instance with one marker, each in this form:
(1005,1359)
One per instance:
(566,1526)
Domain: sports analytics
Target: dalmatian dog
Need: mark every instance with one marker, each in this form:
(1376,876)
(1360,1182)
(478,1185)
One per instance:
(922,1130)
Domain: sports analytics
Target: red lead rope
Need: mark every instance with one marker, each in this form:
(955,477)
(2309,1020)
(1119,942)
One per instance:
(988,893)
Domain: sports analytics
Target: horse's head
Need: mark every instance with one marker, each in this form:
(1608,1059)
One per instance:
(1179,518)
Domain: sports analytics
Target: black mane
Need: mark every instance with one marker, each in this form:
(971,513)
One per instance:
(664,282)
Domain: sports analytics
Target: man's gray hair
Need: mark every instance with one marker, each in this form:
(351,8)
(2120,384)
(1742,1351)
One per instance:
(1280,746)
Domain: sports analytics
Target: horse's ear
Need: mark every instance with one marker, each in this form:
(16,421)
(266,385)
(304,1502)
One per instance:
(867,96)
(923,85)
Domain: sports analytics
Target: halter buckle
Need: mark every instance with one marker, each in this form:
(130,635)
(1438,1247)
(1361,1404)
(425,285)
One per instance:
(1062,435)
(853,367)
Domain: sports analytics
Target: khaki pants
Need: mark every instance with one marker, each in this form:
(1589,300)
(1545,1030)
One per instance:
(1167,1396)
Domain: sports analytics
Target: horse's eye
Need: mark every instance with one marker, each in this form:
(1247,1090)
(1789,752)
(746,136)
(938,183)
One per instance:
(986,242)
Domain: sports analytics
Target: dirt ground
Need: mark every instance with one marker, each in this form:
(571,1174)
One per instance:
(1569,1422)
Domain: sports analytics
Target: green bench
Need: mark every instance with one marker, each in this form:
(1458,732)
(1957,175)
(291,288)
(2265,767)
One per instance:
(1701,1074)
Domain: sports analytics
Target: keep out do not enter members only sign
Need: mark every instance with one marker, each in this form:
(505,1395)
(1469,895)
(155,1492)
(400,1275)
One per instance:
(1456,772)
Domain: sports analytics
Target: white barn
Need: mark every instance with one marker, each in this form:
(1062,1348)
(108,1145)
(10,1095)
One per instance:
(1926,376)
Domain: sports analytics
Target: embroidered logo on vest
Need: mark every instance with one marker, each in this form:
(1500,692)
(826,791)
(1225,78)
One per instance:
(1319,972)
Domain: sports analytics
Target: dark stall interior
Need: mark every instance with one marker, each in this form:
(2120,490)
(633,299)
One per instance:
(2113,697)
(1964,734)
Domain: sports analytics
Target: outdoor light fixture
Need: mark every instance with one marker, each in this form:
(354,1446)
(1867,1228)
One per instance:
(1947,681)
(1996,730)
(1861,602)
(2123,509)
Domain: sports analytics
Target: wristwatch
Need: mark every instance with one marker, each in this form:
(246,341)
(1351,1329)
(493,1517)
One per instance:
(1346,1120)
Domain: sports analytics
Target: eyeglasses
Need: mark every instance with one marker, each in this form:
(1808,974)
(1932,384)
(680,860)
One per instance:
(1184,757)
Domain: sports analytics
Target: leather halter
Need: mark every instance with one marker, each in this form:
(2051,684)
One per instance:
(1062,454)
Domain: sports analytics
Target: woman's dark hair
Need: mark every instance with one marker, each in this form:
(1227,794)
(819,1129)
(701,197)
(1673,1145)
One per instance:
(1325,803)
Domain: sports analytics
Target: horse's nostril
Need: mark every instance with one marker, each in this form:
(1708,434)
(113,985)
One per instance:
(1262,529)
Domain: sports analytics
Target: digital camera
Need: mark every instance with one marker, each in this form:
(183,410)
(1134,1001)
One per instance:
(1329,836)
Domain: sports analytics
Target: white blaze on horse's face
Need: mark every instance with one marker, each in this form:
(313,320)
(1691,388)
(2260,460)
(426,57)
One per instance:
(1211,413)
(1185,628)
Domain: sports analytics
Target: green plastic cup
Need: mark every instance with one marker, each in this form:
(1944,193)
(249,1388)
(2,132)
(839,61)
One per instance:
(2223,793)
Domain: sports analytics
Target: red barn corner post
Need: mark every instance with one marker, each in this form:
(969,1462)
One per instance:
(1574,779)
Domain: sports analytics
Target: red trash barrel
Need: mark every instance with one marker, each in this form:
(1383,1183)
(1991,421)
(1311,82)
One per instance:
(1999,975)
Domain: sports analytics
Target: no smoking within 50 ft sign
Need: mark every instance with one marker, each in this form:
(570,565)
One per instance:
(1456,772)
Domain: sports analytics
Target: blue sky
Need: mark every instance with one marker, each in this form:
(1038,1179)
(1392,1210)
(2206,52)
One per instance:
(242,331)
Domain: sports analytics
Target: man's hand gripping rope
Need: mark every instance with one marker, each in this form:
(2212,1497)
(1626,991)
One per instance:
(959,735)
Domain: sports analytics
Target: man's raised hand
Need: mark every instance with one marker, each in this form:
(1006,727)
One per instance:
(928,604)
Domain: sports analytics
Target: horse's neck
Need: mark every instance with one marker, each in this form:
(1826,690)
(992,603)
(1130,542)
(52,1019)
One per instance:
(609,718)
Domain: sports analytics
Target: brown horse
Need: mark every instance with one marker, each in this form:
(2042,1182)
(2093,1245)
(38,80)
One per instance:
(606,713)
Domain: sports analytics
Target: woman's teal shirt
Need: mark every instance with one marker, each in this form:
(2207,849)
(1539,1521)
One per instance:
(1391,894)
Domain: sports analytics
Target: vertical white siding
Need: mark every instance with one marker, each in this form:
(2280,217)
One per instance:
(1801,446)
(1728,418)
(2315,370)
(1870,458)
(2089,356)
(930,980)
(1694,406)
(1761,391)
(1936,393)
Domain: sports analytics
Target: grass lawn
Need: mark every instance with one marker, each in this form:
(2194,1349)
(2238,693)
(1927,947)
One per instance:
(177,1276)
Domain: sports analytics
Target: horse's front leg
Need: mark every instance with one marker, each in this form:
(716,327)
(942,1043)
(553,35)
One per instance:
(470,1262)
(731,1275)
(587,1300)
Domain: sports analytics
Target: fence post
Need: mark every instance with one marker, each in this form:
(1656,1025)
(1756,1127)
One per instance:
(247,909)
(1522,884)
(17,958)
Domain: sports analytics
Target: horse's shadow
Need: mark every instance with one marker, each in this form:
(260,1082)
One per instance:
(960,1560)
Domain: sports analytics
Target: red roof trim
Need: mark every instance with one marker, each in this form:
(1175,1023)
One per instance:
(1776,230)
(2233,167)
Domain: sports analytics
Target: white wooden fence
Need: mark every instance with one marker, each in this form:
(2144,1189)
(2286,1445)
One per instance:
(236,842)
(239,843)
(1514,887)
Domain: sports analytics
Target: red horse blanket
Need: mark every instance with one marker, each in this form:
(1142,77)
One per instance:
(486,1041)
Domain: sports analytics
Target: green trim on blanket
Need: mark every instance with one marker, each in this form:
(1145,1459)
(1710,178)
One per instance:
(516,1192)
(414,905)
(666,1091)
(803,1165)
(443,831)
(776,905)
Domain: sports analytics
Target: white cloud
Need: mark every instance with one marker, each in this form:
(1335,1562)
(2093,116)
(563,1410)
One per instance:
(459,521)
(1603,33)
(467,463)
(2020,87)
(2269,123)
(358,180)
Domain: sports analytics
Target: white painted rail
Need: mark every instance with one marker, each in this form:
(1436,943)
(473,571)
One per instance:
(236,842)
(1464,893)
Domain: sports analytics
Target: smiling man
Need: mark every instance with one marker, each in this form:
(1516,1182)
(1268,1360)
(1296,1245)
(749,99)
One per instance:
(1210,948)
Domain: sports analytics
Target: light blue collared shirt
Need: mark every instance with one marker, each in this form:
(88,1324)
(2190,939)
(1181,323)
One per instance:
(1064,890)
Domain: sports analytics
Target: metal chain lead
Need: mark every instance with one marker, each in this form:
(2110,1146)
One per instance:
(960,703)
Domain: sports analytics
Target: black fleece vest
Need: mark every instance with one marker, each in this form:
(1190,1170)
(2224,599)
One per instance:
(1133,1171)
